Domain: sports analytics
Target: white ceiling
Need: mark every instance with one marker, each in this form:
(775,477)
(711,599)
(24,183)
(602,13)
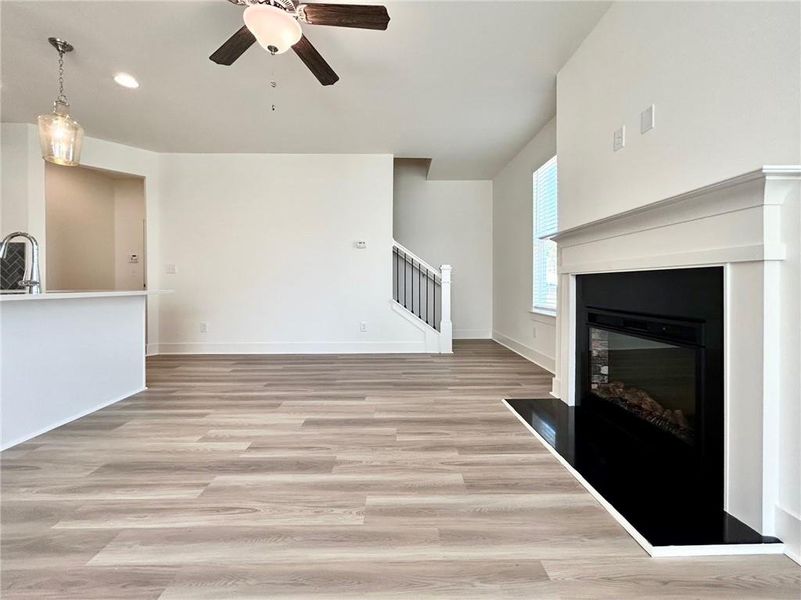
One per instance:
(466,84)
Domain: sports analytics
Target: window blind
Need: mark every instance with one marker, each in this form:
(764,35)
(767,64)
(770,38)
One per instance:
(545,223)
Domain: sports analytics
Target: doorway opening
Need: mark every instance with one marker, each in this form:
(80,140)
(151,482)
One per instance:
(96,229)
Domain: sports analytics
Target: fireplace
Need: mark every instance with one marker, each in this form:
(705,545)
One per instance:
(622,276)
(649,381)
(646,431)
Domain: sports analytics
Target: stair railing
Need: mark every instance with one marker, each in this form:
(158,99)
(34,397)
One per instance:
(423,290)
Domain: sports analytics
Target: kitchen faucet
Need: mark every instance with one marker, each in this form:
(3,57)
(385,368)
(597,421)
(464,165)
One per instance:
(32,278)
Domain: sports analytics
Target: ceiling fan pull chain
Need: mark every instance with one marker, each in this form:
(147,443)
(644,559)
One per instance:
(273,85)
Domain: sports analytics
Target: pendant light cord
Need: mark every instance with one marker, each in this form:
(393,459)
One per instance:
(62,99)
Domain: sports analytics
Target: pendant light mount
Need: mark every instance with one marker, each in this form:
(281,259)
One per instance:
(62,46)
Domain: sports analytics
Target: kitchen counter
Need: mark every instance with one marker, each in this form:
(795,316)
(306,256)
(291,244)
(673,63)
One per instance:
(14,295)
(65,354)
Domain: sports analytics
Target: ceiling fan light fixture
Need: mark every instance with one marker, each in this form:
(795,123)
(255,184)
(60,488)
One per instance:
(275,29)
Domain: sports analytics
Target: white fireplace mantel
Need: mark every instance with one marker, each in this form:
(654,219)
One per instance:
(750,225)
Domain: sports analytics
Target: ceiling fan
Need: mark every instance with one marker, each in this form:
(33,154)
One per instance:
(275,24)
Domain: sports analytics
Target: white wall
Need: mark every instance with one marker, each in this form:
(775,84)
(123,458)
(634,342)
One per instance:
(129,233)
(80,229)
(21,182)
(514,325)
(280,225)
(264,252)
(450,222)
(724,77)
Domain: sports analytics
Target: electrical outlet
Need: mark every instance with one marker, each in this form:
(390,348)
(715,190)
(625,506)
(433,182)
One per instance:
(204,327)
(619,138)
(171,269)
(363,326)
(534,332)
(360,245)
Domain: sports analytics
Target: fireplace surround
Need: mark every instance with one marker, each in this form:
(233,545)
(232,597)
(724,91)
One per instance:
(747,229)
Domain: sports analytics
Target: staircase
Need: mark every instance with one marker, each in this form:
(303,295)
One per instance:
(422,294)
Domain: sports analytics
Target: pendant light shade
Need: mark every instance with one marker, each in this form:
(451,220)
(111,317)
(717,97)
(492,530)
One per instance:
(275,29)
(60,136)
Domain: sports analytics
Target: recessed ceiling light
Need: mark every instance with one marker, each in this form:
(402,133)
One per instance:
(126,80)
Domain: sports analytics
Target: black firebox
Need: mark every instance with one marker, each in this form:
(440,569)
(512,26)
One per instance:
(647,428)
(649,381)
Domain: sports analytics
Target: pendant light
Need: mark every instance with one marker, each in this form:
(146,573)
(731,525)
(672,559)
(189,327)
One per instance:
(60,136)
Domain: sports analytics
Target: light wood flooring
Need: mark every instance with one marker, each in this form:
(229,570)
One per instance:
(328,477)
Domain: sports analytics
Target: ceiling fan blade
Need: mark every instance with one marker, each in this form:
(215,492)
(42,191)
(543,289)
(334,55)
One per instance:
(362,16)
(316,63)
(233,47)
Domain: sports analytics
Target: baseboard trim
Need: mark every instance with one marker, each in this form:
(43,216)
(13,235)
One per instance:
(653,551)
(417,347)
(38,432)
(538,358)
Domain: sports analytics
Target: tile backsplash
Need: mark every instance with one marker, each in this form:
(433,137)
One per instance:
(12,267)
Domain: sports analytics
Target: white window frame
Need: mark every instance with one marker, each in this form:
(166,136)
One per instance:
(545,278)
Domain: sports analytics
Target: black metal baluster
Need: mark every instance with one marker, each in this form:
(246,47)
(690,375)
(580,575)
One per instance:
(404,281)
(435,308)
(411,276)
(427,282)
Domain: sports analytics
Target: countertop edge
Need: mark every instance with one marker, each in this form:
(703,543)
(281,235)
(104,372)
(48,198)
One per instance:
(79,294)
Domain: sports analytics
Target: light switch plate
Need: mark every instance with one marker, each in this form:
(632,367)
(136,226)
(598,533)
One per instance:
(647,119)
(619,138)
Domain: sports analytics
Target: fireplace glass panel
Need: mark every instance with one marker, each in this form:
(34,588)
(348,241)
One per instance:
(654,381)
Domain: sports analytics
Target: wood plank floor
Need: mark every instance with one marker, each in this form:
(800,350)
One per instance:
(328,477)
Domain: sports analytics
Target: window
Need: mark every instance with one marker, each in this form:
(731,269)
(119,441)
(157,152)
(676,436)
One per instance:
(545,223)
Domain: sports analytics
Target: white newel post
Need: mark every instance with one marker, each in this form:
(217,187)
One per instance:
(445,325)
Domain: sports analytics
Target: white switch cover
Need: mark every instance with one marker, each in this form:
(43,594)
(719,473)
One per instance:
(363,326)
(171,269)
(647,122)
(361,245)
(619,138)
(204,327)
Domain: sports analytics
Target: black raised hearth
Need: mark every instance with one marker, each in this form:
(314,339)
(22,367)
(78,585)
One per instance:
(647,428)
(685,524)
